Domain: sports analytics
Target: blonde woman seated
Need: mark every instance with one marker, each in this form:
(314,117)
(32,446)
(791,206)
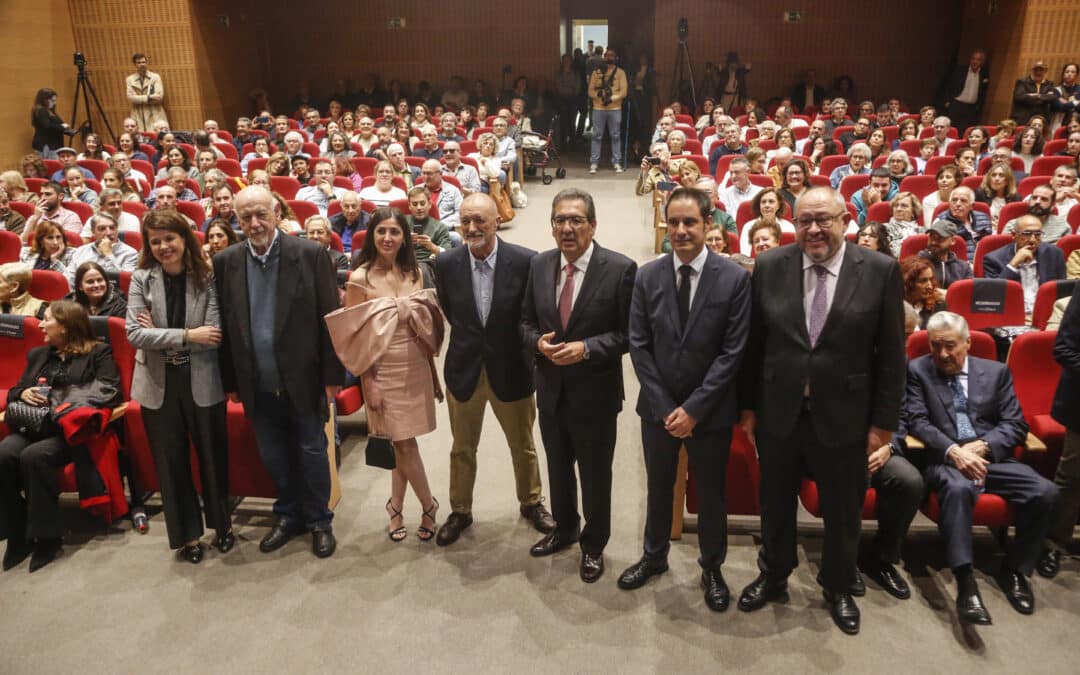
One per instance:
(394,327)
(489,163)
(383,191)
(906,220)
(15,295)
(768,207)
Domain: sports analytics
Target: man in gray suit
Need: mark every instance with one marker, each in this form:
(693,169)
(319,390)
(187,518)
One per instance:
(822,384)
(689,319)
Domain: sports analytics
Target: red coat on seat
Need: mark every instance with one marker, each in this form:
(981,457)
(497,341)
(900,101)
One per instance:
(89,427)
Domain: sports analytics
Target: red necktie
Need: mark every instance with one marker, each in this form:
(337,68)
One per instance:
(566,297)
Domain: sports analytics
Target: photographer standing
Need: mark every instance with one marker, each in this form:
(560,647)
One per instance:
(607,89)
(146,93)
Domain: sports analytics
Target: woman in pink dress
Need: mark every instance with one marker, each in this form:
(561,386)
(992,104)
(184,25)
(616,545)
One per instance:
(387,334)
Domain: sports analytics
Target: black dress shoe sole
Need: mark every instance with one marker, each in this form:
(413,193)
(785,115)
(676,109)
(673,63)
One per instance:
(968,620)
(894,589)
(1017,603)
(775,595)
(1048,566)
(847,625)
(538,551)
(638,582)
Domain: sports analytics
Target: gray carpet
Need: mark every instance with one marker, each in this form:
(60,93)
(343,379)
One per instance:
(118,602)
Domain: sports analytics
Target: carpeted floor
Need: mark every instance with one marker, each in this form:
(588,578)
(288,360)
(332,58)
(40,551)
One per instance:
(118,602)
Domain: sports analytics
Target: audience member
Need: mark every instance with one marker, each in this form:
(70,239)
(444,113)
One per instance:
(1027,260)
(68,159)
(322,190)
(94,291)
(607,89)
(741,189)
(351,220)
(219,236)
(858,165)
(768,207)
(731,146)
(49,209)
(15,295)
(10,219)
(922,291)
(146,93)
(1033,95)
(874,236)
(881,188)
(1041,205)
(446,197)
(48,249)
(383,191)
(106,249)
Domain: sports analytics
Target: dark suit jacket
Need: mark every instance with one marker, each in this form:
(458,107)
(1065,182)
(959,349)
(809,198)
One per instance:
(856,370)
(1024,106)
(495,346)
(694,368)
(96,365)
(601,315)
(1066,407)
(955,84)
(798,95)
(992,406)
(307,291)
(1049,260)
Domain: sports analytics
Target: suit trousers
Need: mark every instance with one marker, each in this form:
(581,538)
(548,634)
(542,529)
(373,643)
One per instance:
(961,115)
(467,421)
(170,429)
(708,456)
(1067,480)
(30,466)
(589,441)
(900,490)
(841,476)
(1034,498)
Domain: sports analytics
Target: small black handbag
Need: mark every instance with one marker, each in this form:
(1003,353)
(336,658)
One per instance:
(380,452)
(25,418)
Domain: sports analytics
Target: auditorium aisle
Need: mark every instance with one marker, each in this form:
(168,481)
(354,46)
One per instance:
(120,602)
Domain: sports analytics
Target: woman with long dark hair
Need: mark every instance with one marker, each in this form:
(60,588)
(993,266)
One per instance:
(95,292)
(173,320)
(48,127)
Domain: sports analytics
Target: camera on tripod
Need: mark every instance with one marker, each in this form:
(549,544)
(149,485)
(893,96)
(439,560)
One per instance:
(684,29)
(79,59)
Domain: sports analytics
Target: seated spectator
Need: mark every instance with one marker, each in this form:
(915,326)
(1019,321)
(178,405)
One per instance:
(904,221)
(731,146)
(786,120)
(1005,130)
(317,229)
(312,123)
(10,219)
(1041,205)
(447,197)
(429,146)
(383,191)
(430,235)
(177,181)
(859,134)
(112,180)
(946,265)
(384,136)
(300,168)
(762,235)
(795,177)
(689,174)
(720,121)
(941,126)
(49,209)
(322,190)
(878,144)
(907,131)
(922,292)
(48,250)
(1027,260)
(874,236)
(780,161)
(768,207)
(755,157)
(280,130)
(754,117)
(676,142)
(652,173)
(964,410)
(106,249)
(242,134)
(488,161)
(15,295)
(838,116)
(129,145)
(899,166)
(95,292)
(32,166)
(351,219)
(403,135)
(294,146)
(785,138)
(741,189)
(278,165)
(1029,147)
(979,141)
(820,149)
(77,190)
(817,131)
(111,203)
(344,167)
(1072,146)
(858,165)
(175,158)
(201,140)
(219,236)
(664,126)
(880,189)
(259,149)
(448,128)
(453,166)
(165,199)
(221,208)
(337,146)
(15,186)
(68,158)
(505,145)
(395,153)
(1066,192)
(966,160)
(971,225)
(122,163)
(365,135)
(766,132)
(28,462)
(948,177)
(421,115)
(928,147)
(998,189)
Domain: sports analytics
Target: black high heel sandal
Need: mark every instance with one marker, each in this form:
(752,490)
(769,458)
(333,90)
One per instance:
(397,534)
(424,533)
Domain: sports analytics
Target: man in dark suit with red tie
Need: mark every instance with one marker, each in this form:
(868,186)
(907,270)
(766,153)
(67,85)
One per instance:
(574,320)
(821,385)
(689,320)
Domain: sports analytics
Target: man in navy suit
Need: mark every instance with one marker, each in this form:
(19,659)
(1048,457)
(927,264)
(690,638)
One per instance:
(965,412)
(574,321)
(1066,410)
(1027,260)
(689,320)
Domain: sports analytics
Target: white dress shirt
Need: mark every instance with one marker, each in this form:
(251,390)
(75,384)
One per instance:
(970,93)
(696,266)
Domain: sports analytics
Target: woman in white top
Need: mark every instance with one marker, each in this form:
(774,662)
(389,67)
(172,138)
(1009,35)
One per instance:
(93,149)
(906,220)
(707,108)
(488,162)
(948,177)
(332,127)
(383,191)
(261,148)
(768,207)
(1028,147)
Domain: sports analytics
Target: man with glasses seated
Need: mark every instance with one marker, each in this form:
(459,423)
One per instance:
(453,166)
(444,195)
(1027,260)
(941,134)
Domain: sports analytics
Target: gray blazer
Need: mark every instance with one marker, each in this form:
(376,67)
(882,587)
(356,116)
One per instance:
(147,292)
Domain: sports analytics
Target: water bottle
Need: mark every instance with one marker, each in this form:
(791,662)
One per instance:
(43,388)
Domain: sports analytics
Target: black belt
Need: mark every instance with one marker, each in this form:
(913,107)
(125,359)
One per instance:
(177,358)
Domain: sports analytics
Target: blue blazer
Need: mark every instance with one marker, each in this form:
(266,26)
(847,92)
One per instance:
(1049,260)
(992,406)
(1066,407)
(694,368)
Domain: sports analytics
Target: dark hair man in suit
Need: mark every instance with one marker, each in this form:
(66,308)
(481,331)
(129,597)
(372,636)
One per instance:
(274,291)
(689,320)
(574,321)
(821,385)
(481,286)
(964,410)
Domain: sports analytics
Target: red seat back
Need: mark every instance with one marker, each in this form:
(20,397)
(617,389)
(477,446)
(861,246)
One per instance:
(192,210)
(95,166)
(83,211)
(358,239)
(227,149)
(982,345)
(303,210)
(48,285)
(10,247)
(958,299)
(230,167)
(133,239)
(852,184)
(1035,372)
(920,186)
(1016,163)
(831,163)
(988,244)
(918,242)
(1069,242)
(1048,294)
(880,212)
(137,209)
(1054,147)
(24,209)
(286,186)
(13,350)
(1009,212)
(1044,166)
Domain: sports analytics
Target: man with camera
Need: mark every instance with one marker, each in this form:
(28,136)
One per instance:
(146,93)
(607,89)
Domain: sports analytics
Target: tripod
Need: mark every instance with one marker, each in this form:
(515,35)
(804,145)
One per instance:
(86,89)
(683,79)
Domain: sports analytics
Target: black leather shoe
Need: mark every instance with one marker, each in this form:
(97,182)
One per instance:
(192,554)
(46,551)
(539,516)
(761,591)
(844,611)
(888,577)
(1049,563)
(279,535)
(16,552)
(323,543)
(552,543)
(1017,590)
(592,566)
(455,524)
(637,574)
(858,587)
(225,542)
(969,605)
(717,595)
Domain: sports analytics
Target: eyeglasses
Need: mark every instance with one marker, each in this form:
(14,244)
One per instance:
(1033,234)
(822,221)
(573,221)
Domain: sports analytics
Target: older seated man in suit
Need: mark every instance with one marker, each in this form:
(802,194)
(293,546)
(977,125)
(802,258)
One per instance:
(1027,260)
(965,411)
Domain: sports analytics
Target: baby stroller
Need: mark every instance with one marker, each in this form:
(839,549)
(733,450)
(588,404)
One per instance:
(539,151)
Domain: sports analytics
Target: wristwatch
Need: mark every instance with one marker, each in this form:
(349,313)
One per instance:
(585,355)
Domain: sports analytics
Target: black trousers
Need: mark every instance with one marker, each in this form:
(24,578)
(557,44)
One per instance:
(707,452)
(961,115)
(589,442)
(30,466)
(841,476)
(900,490)
(172,430)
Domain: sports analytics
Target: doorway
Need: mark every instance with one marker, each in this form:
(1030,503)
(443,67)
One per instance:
(584,31)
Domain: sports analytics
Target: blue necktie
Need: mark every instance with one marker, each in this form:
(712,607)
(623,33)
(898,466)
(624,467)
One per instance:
(964,429)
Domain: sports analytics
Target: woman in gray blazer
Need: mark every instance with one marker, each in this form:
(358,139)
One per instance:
(173,320)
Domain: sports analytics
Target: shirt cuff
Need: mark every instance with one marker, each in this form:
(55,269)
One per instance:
(949,450)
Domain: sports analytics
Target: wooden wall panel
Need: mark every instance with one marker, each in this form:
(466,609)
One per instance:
(35,52)
(231,54)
